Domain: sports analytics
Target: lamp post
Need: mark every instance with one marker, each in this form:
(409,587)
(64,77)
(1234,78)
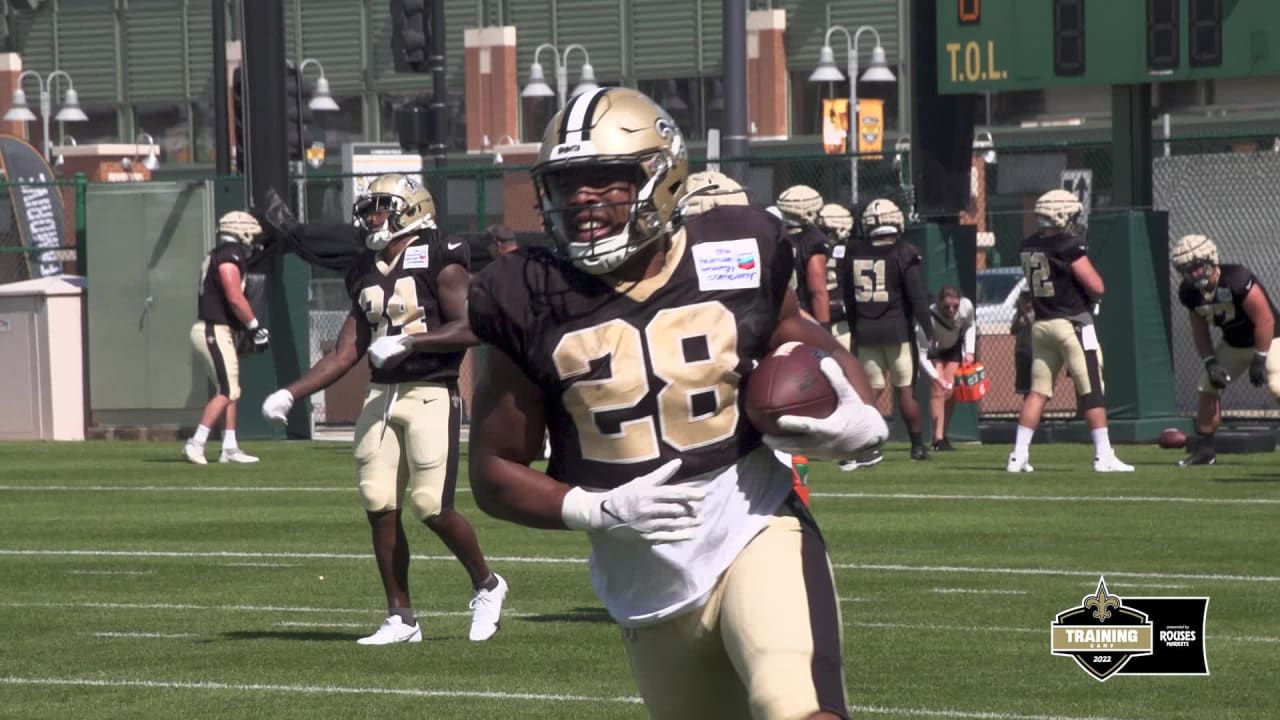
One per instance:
(537,86)
(877,71)
(19,111)
(321,101)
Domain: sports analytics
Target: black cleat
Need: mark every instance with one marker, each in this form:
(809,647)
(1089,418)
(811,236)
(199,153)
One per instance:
(943,445)
(918,452)
(1199,457)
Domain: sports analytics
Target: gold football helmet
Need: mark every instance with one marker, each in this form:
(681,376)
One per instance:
(836,220)
(238,226)
(707,189)
(620,128)
(1195,257)
(1058,210)
(799,204)
(882,218)
(408,205)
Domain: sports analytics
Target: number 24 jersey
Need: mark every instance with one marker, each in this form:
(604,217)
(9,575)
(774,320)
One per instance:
(636,374)
(402,298)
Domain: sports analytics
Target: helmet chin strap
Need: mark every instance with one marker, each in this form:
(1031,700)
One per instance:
(582,257)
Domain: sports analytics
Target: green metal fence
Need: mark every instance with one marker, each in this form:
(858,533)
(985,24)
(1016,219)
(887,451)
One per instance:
(1220,185)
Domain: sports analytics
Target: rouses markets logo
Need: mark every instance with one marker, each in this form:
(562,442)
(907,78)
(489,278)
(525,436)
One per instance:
(1108,635)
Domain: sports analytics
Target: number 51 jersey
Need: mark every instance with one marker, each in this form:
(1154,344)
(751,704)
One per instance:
(636,374)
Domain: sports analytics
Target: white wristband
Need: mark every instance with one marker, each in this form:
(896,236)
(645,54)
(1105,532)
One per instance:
(1260,353)
(578,508)
(252,325)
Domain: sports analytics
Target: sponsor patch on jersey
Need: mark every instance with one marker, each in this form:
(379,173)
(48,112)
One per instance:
(415,257)
(727,264)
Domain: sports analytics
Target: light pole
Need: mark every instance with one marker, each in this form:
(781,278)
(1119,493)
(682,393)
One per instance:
(537,86)
(70,111)
(877,71)
(321,101)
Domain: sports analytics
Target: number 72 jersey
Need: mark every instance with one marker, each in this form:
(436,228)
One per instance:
(636,374)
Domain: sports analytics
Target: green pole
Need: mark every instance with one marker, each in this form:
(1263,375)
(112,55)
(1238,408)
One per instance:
(82,225)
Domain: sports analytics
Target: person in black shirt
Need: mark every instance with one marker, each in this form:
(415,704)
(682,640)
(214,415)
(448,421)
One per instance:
(799,206)
(223,311)
(885,300)
(408,313)
(837,222)
(1065,290)
(1231,297)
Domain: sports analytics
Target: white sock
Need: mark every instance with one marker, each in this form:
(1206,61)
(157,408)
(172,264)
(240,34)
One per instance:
(201,436)
(229,440)
(1022,445)
(1101,442)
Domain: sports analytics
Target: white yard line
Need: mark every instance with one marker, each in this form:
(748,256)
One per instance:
(1050,498)
(975,591)
(374,612)
(880,567)
(144,635)
(482,694)
(110,572)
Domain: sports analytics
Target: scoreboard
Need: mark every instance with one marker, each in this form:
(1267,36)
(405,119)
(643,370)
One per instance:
(994,45)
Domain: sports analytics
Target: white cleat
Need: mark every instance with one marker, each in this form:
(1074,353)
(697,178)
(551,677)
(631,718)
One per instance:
(486,611)
(393,631)
(194,453)
(1110,463)
(236,455)
(1019,465)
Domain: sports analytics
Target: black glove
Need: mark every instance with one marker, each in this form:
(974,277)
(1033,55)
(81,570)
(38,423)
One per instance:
(1258,369)
(1218,375)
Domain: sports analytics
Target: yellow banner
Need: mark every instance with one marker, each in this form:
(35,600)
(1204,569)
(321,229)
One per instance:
(835,125)
(870,127)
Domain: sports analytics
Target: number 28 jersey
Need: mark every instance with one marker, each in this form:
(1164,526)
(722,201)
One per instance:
(402,298)
(636,374)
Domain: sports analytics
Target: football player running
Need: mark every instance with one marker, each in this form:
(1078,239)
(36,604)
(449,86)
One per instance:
(630,341)
(408,313)
(1065,292)
(223,311)
(1232,298)
(885,301)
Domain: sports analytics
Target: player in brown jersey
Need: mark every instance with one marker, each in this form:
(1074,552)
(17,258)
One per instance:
(1065,291)
(1232,298)
(223,311)
(885,300)
(408,312)
(630,340)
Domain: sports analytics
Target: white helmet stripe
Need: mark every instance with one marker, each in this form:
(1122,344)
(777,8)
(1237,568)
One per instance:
(578,114)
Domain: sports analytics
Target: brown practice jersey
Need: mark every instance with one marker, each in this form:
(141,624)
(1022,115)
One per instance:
(213,305)
(1224,307)
(1046,263)
(403,299)
(873,281)
(636,374)
(806,241)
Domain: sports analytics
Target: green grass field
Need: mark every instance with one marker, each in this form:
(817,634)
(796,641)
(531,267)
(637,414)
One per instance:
(133,585)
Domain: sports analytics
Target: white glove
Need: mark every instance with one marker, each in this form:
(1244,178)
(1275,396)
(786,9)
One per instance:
(853,426)
(644,509)
(277,406)
(385,350)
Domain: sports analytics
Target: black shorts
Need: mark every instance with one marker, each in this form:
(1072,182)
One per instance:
(955,354)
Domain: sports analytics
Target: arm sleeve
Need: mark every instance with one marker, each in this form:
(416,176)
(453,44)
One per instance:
(970,332)
(918,299)
(922,351)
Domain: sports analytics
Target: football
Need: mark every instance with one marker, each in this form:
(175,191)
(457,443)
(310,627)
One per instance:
(1171,438)
(788,382)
